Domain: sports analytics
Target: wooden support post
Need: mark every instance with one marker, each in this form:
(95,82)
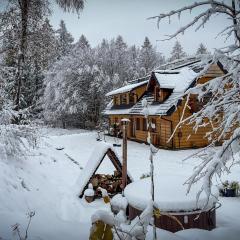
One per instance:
(124,152)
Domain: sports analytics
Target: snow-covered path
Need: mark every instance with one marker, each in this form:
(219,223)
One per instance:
(45,182)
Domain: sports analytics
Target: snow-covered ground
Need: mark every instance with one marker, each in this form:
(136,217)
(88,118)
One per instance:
(46,182)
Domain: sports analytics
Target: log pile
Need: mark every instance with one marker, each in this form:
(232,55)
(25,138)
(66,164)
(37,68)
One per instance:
(112,183)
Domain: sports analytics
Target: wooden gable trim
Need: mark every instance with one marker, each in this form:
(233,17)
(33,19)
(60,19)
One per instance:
(138,86)
(152,78)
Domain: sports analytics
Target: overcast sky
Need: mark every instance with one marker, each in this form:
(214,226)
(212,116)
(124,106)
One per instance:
(109,18)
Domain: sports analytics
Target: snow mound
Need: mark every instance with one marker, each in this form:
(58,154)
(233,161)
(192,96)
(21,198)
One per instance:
(170,195)
(216,234)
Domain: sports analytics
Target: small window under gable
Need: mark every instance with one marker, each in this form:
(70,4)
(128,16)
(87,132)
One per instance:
(161,94)
(131,98)
(123,99)
(115,100)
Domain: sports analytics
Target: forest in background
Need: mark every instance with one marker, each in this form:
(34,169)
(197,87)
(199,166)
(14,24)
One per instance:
(64,82)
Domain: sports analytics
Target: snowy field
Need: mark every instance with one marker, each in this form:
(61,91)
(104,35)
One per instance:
(46,182)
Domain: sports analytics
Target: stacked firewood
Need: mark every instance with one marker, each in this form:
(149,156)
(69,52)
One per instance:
(112,183)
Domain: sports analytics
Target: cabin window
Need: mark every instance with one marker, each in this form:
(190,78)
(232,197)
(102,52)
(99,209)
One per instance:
(153,125)
(145,124)
(123,99)
(156,93)
(131,98)
(161,94)
(114,100)
(138,124)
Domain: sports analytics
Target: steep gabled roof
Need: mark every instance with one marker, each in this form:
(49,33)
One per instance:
(178,80)
(157,109)
(177,77)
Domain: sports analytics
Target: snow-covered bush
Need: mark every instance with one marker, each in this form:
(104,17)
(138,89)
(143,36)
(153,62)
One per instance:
(15,140)
(105,222)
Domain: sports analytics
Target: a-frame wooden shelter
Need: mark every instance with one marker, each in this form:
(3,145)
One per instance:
(94,163)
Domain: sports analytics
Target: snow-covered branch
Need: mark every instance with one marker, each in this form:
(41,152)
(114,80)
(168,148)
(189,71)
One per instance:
(218,99)
(214,7)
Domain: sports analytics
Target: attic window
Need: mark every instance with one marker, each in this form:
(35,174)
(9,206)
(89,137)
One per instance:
(114,100)
(156,93)
(131,98)
(123,99)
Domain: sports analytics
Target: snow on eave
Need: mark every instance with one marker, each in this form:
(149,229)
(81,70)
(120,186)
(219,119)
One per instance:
(116,111)
(126,88)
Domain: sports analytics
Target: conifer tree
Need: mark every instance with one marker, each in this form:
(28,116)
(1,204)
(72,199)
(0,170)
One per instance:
(202,49)
(177,52)
(65,40)
(148,58)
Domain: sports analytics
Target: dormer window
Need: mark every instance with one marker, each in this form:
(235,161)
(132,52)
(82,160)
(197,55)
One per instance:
(131,98)
(114,100)
(161,94)
(123,99)
(156,93)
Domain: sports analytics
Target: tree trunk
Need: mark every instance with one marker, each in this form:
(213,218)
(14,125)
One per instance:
(24,8)
(235,23)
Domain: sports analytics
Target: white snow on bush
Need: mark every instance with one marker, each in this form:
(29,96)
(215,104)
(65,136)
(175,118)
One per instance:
(104,216)
(119,202)
(170,195)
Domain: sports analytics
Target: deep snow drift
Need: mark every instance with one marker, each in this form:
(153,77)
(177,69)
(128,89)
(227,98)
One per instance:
(46,182)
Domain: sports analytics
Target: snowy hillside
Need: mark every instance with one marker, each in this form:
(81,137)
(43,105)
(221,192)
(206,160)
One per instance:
(45,182)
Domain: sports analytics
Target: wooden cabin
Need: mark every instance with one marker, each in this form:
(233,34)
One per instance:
(163,91)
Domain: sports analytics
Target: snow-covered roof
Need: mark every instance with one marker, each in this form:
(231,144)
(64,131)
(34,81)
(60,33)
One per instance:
(167,188)
(178,80)
(110,110)
(93,163)
(157,109)
(126,88)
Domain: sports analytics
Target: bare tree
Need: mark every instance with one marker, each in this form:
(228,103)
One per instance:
(221,109)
